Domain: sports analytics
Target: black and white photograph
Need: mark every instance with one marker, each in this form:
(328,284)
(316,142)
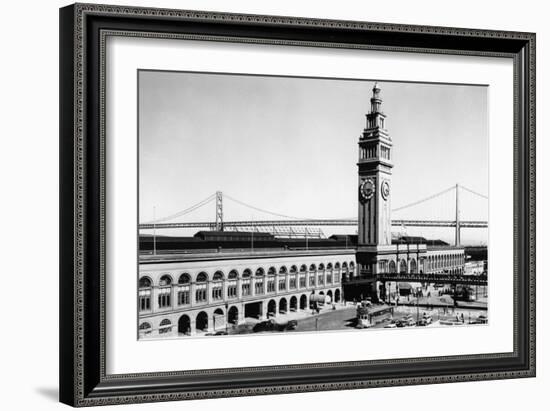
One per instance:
(273,204)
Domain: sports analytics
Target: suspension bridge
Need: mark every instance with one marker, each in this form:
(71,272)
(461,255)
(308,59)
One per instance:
(289,226)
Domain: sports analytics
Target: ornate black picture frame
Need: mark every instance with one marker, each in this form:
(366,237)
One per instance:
(83,30)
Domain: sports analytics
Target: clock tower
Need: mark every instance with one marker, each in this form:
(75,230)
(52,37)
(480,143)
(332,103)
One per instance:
(374,188)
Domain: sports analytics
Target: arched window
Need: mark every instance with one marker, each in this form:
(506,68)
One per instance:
(217,285)
(293,281)
(393,268)
(165,291)
(402,267)
(184,289)
(312,271)
(202,277)
(245,282)
(271,279)
(303,268)
(232,284)
(293,269)
(145,293)
(413,266)
(282,279)
(165,326)
(145,329)
(321,274)
(165,280)
(259,281)
(201,287)
(329,273)
(145,282)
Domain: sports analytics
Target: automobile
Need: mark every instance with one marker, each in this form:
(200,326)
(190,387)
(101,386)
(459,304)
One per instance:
(291,325)
(481,319)
(220,333)
(272,325)
(425,320)
(391,324)
(408,321)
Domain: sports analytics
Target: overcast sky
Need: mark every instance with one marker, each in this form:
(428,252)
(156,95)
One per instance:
(289,145)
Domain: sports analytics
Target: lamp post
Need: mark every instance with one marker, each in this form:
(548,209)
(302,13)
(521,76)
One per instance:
(226,317)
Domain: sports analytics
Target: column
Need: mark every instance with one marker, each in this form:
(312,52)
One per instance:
(264,310)
(174,297)
(192,291)
(154,299)
(192,325)
(239,289)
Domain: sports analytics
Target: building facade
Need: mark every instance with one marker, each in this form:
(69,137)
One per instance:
(198,294)
(204,290)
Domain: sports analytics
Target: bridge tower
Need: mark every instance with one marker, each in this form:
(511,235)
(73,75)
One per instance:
(219,211)
(374,193)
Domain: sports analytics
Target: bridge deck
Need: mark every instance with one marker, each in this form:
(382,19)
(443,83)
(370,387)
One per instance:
(314,222)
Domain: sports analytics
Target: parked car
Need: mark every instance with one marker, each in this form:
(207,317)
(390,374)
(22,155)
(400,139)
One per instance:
(272,325)
(408,321)
(482,319)
(391,324)
(425,320)
(401,323)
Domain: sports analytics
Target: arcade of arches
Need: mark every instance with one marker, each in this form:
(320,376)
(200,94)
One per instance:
(192,300)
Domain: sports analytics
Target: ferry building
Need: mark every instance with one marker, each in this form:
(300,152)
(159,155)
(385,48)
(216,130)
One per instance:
(205,283)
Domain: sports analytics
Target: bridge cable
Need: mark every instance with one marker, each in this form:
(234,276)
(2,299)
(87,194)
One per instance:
(262,210)
(424,199)
(183,212)
(474,192)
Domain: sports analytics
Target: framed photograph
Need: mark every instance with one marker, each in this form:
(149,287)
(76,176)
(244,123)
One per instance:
(262,204)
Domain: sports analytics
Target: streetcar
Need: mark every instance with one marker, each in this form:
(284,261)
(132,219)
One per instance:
(368,315)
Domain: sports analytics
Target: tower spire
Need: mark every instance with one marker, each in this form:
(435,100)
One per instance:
(375,101)
(376,119)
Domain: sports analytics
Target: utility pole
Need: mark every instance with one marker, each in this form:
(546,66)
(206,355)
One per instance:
(457,217)
(154,230)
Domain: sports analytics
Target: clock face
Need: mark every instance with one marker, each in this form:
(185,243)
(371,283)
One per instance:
(367,189)
(385,189)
